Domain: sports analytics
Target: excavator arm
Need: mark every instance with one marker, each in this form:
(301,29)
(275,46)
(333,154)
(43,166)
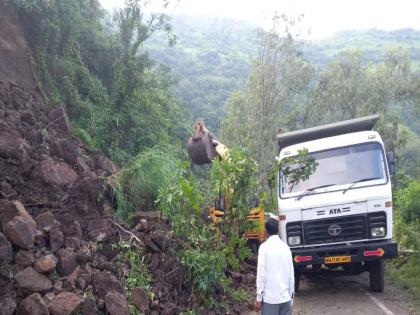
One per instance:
(202,148)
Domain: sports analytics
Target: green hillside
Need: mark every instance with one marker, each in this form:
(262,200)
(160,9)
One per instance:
(212,57)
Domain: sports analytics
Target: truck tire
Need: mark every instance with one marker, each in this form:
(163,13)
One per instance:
(376,275)
(297,279)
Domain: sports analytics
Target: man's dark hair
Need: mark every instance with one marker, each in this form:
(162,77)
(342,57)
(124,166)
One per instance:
(272,226)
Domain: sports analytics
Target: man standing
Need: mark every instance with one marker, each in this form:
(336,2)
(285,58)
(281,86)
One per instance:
(275,274)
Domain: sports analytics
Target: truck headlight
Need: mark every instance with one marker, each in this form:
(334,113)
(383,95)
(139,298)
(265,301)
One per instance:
(294,240)
(378,231)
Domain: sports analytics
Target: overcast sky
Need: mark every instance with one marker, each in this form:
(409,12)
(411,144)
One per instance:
(322,17)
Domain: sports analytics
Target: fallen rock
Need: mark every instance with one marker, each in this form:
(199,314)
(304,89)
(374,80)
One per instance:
(147,215)
(249,278)
(84,255)
(89,306)
(24,258)
(46,263)
(56,173)
(67,261)
(72,242)
(116,304)
(30,279)
(20,232)
(75,230)
(56,239)
(99,230)
(152,247)
(57,118)
(48,297)
(159,240)
(45,222)
(66,149)
(11,209)
(33,305)
(103,163)
(105,281)
(65,303)
(7,306)
(140,299)
(6,254)
(14,148)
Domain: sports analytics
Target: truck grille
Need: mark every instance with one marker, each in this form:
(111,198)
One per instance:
(345,228)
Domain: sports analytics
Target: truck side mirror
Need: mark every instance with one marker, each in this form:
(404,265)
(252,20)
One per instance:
(390,156)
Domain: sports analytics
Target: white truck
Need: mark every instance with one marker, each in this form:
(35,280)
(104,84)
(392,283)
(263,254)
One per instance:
(340,218)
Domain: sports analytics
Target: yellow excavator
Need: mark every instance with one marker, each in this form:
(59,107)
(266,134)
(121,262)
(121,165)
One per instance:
(203,148)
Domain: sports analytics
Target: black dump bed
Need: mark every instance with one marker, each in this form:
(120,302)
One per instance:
(330,130)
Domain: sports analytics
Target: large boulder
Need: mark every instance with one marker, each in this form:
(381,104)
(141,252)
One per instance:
(66,149)
(65,303)
(12,209)
(67,261)
(104,282)
(6,254)
(46,264)
(20,232)
(56,173)
(116,303)
(7,306)
(14,148)
(30,279)
(33,305)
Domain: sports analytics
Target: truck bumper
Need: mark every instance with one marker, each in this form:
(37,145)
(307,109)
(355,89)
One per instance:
(357,252)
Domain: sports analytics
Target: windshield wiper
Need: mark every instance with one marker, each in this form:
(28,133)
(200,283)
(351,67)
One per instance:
(310,190)
(359,181)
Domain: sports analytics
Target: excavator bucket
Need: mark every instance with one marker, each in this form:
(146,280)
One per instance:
(200,146)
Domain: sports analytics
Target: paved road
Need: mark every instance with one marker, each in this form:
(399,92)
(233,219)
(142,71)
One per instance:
(351,296)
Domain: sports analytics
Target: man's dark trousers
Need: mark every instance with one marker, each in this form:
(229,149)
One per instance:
(277,309)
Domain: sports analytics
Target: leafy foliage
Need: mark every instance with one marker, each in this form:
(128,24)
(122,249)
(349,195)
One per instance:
(137,185)
(113,91)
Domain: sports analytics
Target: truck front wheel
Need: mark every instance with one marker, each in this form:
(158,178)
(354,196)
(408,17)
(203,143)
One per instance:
(376,275)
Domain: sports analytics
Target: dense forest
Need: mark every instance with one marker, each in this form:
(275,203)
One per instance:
(133,83)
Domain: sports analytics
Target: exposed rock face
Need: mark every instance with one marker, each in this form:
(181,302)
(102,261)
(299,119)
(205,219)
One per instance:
(30,279)
(104,282)
(6,254)
(33,305)
(116,304)
(46,264)
(65,303)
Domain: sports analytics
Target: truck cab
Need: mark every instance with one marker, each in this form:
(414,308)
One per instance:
(340,218)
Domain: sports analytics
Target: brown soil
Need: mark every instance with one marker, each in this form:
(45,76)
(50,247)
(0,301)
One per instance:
(56,231)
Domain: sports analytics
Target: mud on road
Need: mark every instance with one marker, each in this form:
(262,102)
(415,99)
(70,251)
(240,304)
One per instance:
(351,296)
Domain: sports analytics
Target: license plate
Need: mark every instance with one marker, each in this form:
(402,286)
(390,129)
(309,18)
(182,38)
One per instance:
(337,259)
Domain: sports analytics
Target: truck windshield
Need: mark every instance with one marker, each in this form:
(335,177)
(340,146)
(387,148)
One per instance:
(342,166)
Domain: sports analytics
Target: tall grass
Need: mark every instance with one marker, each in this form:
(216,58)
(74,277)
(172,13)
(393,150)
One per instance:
(136,187)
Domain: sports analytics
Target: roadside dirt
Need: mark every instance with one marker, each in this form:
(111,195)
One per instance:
(350,296)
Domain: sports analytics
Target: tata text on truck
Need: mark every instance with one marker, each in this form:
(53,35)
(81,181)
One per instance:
(340,219)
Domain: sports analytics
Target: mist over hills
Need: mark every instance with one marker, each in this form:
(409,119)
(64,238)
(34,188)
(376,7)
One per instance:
(213,55)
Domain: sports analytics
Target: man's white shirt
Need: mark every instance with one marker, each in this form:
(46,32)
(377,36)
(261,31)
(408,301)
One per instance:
(275,273)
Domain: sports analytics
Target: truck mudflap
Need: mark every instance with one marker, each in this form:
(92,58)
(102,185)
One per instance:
(342,254)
